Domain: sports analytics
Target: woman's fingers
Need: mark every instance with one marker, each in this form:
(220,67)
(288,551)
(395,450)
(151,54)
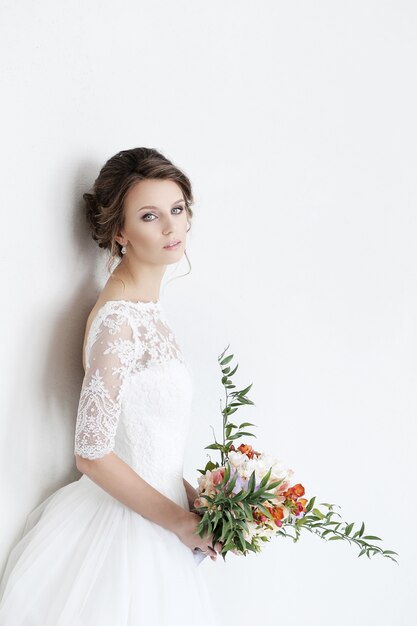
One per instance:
(218,546)
(213,553)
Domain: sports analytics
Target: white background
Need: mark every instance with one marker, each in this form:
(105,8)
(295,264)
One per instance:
(296,123)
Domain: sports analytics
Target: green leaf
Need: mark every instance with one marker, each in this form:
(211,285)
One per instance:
(372,537)
(245,400)
(225,526)
(310,504)
(274,484)
(264,510)
(248,510)
(226,475)
(318,513)
(265,478)
(251,483)
(217,516)
(240,495)
(228,546)
(232,483)
(214,446)
(267,495)
(245,391)
(334,538)
(240,540)
(242,523)
(226,360)
(249,546)
(246,424)
(234,370)
(349,528)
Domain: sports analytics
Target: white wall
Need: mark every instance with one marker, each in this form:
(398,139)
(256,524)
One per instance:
(296,124)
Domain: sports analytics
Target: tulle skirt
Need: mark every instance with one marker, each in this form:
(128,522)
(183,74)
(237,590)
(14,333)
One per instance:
(86,559)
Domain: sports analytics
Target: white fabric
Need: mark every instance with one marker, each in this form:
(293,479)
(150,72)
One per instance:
(86,559)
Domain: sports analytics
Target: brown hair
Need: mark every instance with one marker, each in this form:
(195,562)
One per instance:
(104,205)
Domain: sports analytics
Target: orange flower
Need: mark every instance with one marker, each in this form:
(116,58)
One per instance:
(298,506)
(277,514)
(246,449)
(299,490)
(294,492)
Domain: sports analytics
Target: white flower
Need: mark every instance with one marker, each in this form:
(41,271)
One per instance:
(237,459)
(205,484)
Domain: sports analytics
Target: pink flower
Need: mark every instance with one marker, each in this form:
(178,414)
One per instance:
(282,487)
(217,476)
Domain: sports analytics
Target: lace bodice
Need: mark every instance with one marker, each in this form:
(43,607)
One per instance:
(137,390)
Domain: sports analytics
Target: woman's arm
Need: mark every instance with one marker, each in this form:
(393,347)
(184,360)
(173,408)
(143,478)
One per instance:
(192,494)
(116,477)
(109,360)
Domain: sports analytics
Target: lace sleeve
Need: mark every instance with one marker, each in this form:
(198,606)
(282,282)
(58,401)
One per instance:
(110,353)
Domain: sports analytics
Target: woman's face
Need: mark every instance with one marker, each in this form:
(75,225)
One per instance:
(155,216)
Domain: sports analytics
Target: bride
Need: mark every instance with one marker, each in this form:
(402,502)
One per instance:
(118,546)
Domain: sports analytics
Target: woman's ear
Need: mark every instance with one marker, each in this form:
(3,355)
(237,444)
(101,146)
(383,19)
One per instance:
(120,238)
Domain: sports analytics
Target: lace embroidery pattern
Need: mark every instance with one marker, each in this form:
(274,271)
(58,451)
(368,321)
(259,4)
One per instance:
(123,339)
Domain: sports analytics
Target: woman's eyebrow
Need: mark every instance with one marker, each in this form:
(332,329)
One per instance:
(155,207)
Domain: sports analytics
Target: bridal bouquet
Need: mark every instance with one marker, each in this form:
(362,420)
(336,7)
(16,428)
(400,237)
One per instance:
(248,498)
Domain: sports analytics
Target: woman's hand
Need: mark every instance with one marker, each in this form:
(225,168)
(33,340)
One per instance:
(187,532)
(192,494)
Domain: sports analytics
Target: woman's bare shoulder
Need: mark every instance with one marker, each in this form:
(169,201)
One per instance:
(111,292)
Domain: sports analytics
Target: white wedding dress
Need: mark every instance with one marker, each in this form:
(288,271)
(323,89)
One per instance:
(86,559)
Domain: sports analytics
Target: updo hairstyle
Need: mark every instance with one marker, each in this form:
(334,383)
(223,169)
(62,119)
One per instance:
(105,203)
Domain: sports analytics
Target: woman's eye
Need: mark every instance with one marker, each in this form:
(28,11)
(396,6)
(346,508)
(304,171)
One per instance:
(181,208)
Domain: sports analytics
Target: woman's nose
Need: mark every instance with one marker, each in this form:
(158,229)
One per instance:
(168,226)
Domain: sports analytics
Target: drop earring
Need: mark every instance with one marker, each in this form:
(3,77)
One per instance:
(123,250)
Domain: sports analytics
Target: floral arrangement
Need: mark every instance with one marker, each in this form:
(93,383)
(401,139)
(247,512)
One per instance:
(247,498)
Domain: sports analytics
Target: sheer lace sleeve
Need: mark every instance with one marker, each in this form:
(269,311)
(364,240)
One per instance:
(110,354)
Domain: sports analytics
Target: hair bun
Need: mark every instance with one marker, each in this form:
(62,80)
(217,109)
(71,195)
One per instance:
(92,213)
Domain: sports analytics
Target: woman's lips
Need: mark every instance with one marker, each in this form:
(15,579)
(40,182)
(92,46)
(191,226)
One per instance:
(172,247)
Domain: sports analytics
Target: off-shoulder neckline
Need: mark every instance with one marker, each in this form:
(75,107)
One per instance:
(150,303)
